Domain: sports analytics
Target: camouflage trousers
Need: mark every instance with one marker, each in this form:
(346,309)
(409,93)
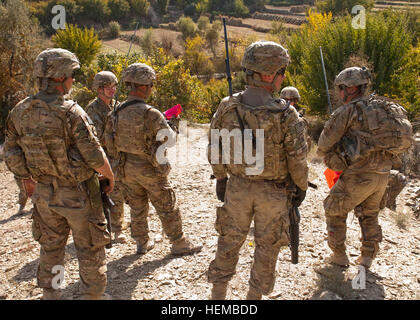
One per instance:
(139,186)
(23,198)
(117,214)
(266,203)
(362,192)
(56,213)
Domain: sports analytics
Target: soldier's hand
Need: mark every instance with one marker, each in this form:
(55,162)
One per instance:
(298,197)
(221,188)
(109,186)
(29,185)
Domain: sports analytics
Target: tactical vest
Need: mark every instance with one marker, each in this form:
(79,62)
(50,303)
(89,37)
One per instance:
(44,139)
(129,121)
(270,118)
(382,126)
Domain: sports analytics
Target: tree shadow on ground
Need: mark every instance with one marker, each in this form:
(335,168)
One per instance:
(122,283)
(335,283)
(28,271)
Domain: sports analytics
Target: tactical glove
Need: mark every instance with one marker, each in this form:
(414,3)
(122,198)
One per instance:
(298,197)
(221,188)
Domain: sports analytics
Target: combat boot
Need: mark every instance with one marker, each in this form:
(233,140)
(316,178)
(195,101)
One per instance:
(339,258)
(219,291)
(253,294)
(104,296)
(51,294)
(120,237)
(142,248)
(364,261)
(184,246)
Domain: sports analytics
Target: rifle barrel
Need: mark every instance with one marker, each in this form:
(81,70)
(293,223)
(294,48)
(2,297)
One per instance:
(228,75)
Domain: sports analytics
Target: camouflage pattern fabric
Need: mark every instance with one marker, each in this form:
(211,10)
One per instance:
(263,198)
(23,198)
(54,141)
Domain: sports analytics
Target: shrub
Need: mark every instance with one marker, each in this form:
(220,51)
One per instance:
(203,23)
(96,10)
(384,42)
(84,43)
(187,27)
(146,43)
(20,43)
(342,6)
(195,58)
(114,29)
(162,6)
(140,7)
(119,8)
(212,36)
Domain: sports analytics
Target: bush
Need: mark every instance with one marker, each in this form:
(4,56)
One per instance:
(385,42)
(162,6)
(114,29)
(342,6)
(119,9)
(187,27)
(146,43)
(140,7)
(212,36)
(82,95)
(84,43)
(20,43)
(96,10)
(203,23)
(195,58)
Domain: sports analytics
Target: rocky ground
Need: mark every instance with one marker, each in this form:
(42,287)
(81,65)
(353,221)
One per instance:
(158,275)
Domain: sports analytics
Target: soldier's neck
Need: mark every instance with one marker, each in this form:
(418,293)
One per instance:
(105,99)
(256,96)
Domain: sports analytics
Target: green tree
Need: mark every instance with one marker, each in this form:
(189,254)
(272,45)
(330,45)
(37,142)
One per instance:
(140,7)
(212,36)
(202,23)
(119,9)
(384,42)
(342,6)
(114,29)
(187,27)
(162,6)
(83,42)
(147,44)
(96,10)
(20,43)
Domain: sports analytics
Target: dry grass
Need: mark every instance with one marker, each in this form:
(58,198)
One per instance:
(402,219)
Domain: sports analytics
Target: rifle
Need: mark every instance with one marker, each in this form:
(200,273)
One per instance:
(294,216)
(108,205)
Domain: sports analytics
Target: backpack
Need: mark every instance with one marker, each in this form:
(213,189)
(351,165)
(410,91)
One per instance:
(385,126)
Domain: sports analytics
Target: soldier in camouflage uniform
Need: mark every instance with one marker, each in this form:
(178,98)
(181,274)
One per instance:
(265,197)
(131,135)
(104,84)
(291,94)
(51,141)
(346,145)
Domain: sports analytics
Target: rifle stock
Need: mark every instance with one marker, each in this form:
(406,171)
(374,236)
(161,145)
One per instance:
(107,204)
(294,215)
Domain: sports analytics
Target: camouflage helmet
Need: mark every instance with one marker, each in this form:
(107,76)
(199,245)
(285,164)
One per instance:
(55,63)
(265,57)
(290,93)
(102,79)
(353,77)
(139,73)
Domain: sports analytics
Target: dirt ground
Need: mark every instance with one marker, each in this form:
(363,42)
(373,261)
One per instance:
(158,275)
